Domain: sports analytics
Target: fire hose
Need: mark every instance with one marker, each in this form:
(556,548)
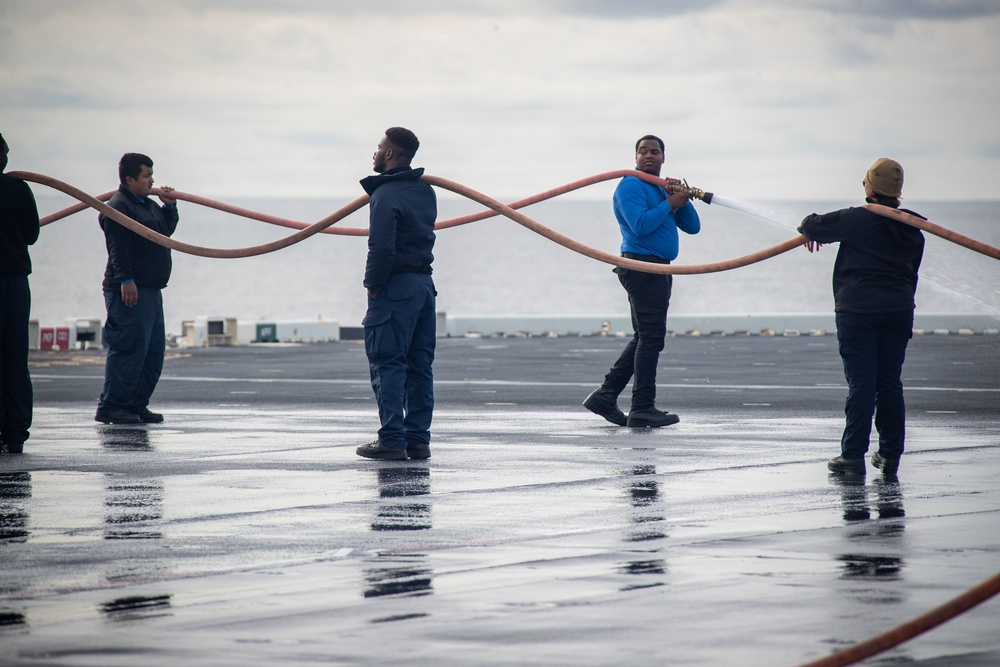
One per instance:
(494,208)
(911,629)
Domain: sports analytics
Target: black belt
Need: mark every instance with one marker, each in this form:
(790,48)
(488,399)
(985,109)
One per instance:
(411,269)
(653,259)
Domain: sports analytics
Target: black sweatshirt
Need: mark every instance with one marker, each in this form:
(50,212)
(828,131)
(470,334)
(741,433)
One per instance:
(130,255)
(876,267)
(18,226)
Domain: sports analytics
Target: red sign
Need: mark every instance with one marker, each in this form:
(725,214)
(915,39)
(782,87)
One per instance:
(48,338)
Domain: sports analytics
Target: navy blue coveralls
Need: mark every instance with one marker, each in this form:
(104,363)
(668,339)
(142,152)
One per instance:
(135,336)
(18,230)
(874,281)
(400,324)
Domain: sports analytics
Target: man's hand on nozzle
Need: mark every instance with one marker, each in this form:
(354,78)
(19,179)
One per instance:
(678,199)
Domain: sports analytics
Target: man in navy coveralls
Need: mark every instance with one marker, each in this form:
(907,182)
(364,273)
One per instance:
(137,272)
(400,325)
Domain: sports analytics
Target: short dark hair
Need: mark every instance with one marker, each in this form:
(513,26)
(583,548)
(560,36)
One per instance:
(3,142)
(131,164)
(404,140)
(654,138)
(883,200)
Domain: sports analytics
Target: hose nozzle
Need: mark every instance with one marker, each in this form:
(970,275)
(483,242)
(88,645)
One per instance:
(693,193)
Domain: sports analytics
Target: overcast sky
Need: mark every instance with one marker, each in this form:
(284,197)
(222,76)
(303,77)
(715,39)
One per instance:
(763,99)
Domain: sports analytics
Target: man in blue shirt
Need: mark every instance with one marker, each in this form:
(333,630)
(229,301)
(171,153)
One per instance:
(649,217)
(137,271)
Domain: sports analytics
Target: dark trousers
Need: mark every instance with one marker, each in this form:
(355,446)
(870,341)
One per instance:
(15,381)
(136,344)
(400,337)
(648,298)
(873,348)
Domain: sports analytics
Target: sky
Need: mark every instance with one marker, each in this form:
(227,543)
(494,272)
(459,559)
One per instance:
(756,99)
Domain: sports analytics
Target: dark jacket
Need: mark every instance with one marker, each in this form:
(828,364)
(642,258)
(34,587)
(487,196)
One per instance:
(130,255)
(402,212)
(18,226)
(876,267)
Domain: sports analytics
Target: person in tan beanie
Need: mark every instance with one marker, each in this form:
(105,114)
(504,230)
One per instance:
(874,281)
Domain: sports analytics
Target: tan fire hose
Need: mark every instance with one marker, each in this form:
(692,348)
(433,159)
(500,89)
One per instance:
(180,246)
(493,208)
(228,253)
(911,629)
(363,231)
(937,230)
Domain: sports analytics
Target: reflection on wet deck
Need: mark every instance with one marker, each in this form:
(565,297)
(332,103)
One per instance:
(536,534)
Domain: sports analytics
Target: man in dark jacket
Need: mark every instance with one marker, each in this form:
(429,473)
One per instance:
(136,272)
(18,230)
(874,281)
(400,325)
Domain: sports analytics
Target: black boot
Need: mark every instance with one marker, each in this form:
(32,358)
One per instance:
(841,465)
(604,403)
(651,418)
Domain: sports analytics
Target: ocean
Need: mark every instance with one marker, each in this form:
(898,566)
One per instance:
(495,266)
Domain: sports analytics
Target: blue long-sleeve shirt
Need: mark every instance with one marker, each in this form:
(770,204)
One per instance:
(648,225)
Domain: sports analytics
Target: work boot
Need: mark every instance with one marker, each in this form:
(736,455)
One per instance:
(12,448)
(840,464)
(418,451)
(116,416)
(147,416)
(602,402)
(376,450)
(651,418)
(887,465)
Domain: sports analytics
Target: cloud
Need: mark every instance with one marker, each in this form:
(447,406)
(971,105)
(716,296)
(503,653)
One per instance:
(629,9)
(41,97)
(898,10)
(406,8)
(762,98)
(990,150)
